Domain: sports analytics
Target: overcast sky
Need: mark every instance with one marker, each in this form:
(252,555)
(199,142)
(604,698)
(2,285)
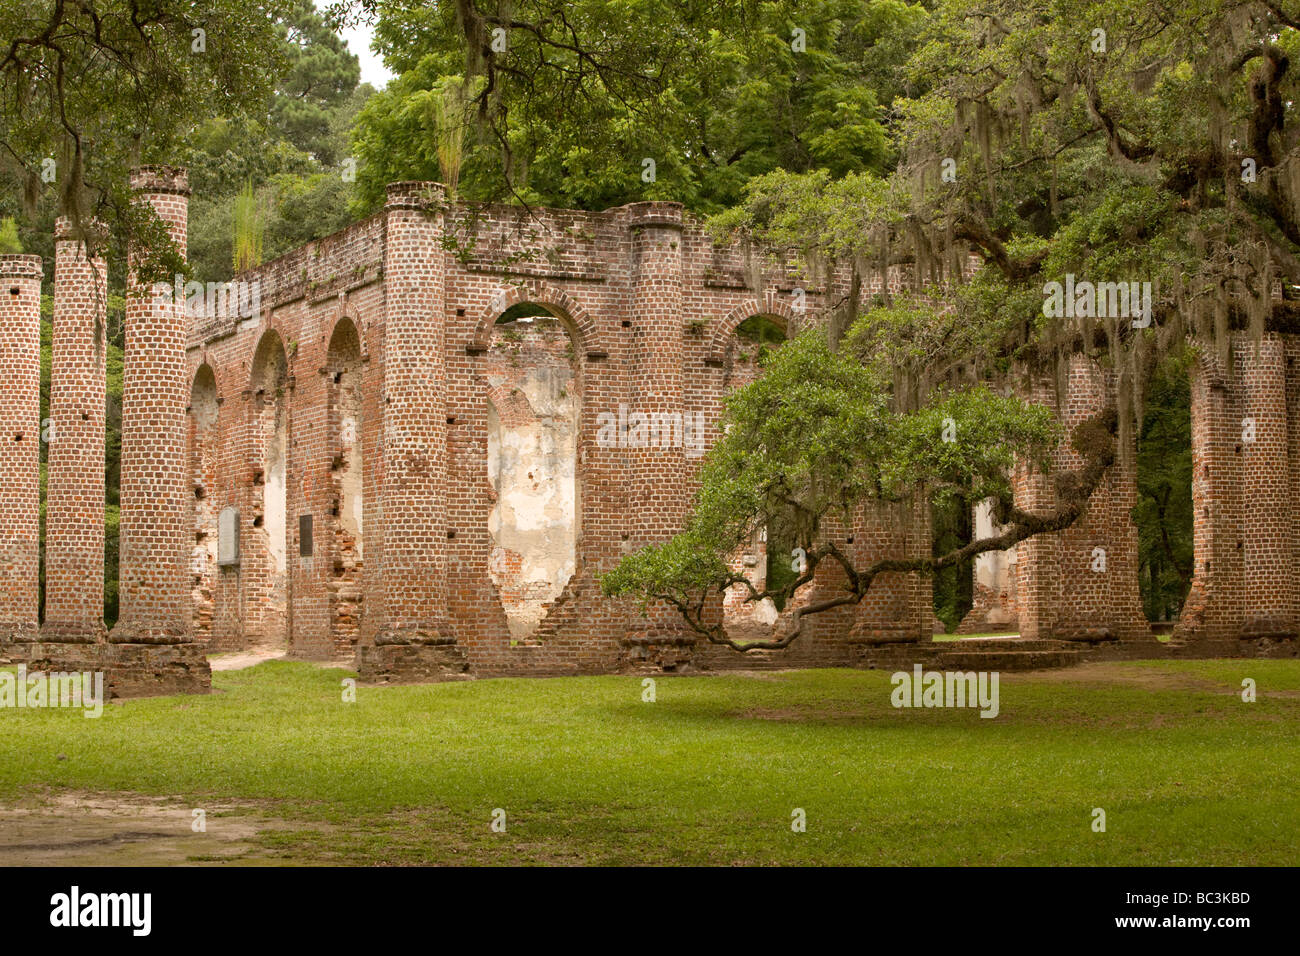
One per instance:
(358,39)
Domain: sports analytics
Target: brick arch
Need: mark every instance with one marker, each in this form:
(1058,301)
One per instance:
(769,304)
(338,323)
(265,351)
(1206,365)
(211,373)
(591,340)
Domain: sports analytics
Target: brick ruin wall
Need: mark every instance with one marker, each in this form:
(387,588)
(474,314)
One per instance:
(370,466)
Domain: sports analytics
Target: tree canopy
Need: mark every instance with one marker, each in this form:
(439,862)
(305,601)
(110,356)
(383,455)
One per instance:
(565,102)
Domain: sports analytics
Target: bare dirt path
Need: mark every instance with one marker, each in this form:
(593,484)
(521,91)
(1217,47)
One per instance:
(78,828)
(238,660)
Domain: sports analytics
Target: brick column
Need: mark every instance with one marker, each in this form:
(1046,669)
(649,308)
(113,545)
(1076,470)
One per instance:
(1082,584)
(414,640)
(1265,475)
(74,512)
(20,412)
(156,520)
(658,477)
(1212,610)
(1036,557)
(899,608)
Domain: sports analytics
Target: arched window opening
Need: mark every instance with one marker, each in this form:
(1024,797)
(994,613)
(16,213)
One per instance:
(1164,513)
(266,578)
(203,464)
(343,367)
(769,559)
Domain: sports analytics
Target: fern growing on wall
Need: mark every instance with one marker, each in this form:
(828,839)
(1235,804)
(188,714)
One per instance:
(449,115)
(250,225)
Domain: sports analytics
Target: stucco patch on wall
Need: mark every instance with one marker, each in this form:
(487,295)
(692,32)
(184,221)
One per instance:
(533,406)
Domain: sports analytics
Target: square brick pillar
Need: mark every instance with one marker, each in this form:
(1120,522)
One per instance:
(899,607)
(74,512)
(1269,575)
(413,638)
(1212,610)
(156,502)
(1081,584)
(20,413)
(658,477)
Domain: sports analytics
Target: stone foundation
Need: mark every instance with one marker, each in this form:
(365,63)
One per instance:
(657,654)
(130,670)
(411,663)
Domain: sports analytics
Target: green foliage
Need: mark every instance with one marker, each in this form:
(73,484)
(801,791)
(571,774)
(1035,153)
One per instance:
(87,91)
(714,93)
(9,241)
(814,436)
(1163,513)
(322,77)
(952,587)
(250,224)
(294,152)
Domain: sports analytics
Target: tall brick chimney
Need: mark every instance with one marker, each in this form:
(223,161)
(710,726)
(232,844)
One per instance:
(156,499)
(74,513)
(20,412)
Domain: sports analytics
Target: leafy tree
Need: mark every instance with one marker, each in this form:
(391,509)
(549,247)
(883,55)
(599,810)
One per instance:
(293,152)
(90,89)
(321,79)
(818,434)
(570,99)
(1116,143)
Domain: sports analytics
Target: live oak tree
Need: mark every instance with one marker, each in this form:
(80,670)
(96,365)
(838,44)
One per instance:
(815,436)
(1113,141)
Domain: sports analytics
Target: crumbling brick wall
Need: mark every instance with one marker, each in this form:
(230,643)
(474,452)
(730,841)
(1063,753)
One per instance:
(388,380)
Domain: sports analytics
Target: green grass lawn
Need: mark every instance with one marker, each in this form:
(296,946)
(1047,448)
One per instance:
(1186,772)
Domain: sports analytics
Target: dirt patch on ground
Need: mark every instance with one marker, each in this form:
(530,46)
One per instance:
(1149,678)
(76,828)
(1128,675)
(238,660)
